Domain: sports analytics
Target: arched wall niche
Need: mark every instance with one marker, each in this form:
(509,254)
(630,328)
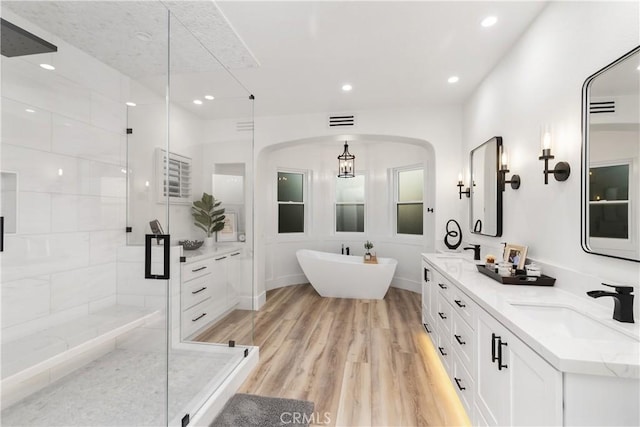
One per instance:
(376,156)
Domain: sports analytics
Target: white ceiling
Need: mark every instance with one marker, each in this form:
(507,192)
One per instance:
(294,56)
(395,54)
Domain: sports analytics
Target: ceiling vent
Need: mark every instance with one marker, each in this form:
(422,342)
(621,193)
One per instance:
(246,126)
(341,120)
(602,107)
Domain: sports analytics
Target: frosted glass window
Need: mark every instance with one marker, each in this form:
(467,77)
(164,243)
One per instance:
(350,218)
(350,189)
(290,187)
(409,196)
(350,204)
(410,185)
(410,218)
(291,218)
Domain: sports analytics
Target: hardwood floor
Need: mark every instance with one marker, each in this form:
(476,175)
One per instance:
(362,362)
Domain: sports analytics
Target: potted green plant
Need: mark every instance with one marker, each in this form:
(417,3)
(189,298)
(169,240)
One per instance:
(208,216)
(368,246)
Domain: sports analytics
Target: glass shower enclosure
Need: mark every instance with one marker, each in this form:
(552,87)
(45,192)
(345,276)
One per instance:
(103,152)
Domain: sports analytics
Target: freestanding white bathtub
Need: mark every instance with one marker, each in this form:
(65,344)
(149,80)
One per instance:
(346,276)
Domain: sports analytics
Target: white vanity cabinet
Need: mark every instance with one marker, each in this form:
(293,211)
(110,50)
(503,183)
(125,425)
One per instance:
(499,380)
(208,289)
(429,294)
(451,314)
(514,386)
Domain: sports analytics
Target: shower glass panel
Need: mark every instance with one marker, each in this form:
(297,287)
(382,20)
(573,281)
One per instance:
(84,334)
(211,295)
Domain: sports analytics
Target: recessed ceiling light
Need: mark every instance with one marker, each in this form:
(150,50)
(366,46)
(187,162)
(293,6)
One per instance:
(48,67)
(347,87)
(29,110)
(131,104)
(209,97)
(453,79)
(489,21)
(142,36)
(638,68)
(197,102)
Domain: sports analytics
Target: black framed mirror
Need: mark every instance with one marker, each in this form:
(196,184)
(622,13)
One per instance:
(485,208)
(610,159)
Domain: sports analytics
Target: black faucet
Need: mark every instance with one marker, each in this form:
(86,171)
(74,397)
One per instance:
(623,302)
(476,251)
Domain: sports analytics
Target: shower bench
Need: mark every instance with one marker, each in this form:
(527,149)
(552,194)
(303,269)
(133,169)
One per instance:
(31,362)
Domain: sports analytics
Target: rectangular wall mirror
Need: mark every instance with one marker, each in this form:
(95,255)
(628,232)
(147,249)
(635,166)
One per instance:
(485,208)
(610,153)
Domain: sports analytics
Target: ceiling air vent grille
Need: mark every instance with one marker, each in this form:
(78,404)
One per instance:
(246,126)
(341,120)
(602,107)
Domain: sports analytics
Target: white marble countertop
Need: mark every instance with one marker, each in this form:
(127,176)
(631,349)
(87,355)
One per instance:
(207,252)
(616,355)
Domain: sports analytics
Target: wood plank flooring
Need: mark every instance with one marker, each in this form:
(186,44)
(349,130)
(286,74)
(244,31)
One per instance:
(362,362)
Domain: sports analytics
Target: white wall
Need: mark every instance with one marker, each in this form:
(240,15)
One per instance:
(61,263)
(149,123)
(538,82)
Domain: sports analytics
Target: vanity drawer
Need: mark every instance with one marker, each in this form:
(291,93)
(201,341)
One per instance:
(195,291)
(443,348)
(443,315)
(197,269)
(462,382)
(463,341)
(195,317)
(463,305)
(443,285)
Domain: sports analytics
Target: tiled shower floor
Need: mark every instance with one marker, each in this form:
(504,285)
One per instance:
(127,387)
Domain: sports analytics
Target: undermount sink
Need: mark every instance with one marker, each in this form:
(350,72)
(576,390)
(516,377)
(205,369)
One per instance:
(566,321)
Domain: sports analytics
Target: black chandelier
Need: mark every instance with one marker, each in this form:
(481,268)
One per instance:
(346,163)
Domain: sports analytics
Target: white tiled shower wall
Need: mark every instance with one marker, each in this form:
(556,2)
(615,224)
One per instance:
(61,263)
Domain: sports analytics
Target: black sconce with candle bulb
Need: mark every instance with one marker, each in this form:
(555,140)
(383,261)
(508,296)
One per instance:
(562,170)
(504,170)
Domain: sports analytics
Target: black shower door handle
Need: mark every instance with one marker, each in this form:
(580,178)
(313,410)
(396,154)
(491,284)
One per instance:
(147,256)
(1,234)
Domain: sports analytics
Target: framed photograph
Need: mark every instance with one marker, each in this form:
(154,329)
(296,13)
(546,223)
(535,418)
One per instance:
(515,255)
(230,231)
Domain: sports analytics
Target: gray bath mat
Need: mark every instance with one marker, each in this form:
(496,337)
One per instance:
(244,410)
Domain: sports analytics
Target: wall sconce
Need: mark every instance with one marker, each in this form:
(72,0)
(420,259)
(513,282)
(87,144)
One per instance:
(346,163)
(467,190)
(504,170)
(562,170)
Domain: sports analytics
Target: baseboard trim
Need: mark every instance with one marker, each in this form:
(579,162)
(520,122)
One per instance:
(281,282)
(407,285)
(246,302)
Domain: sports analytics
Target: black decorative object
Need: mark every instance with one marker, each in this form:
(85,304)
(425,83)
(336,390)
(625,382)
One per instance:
(517,280)
(477,227)
(453,234)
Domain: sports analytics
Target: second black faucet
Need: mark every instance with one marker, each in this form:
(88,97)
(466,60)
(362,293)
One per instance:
(476,251)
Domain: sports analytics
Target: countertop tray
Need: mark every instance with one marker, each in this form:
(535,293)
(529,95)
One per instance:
(517,280)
